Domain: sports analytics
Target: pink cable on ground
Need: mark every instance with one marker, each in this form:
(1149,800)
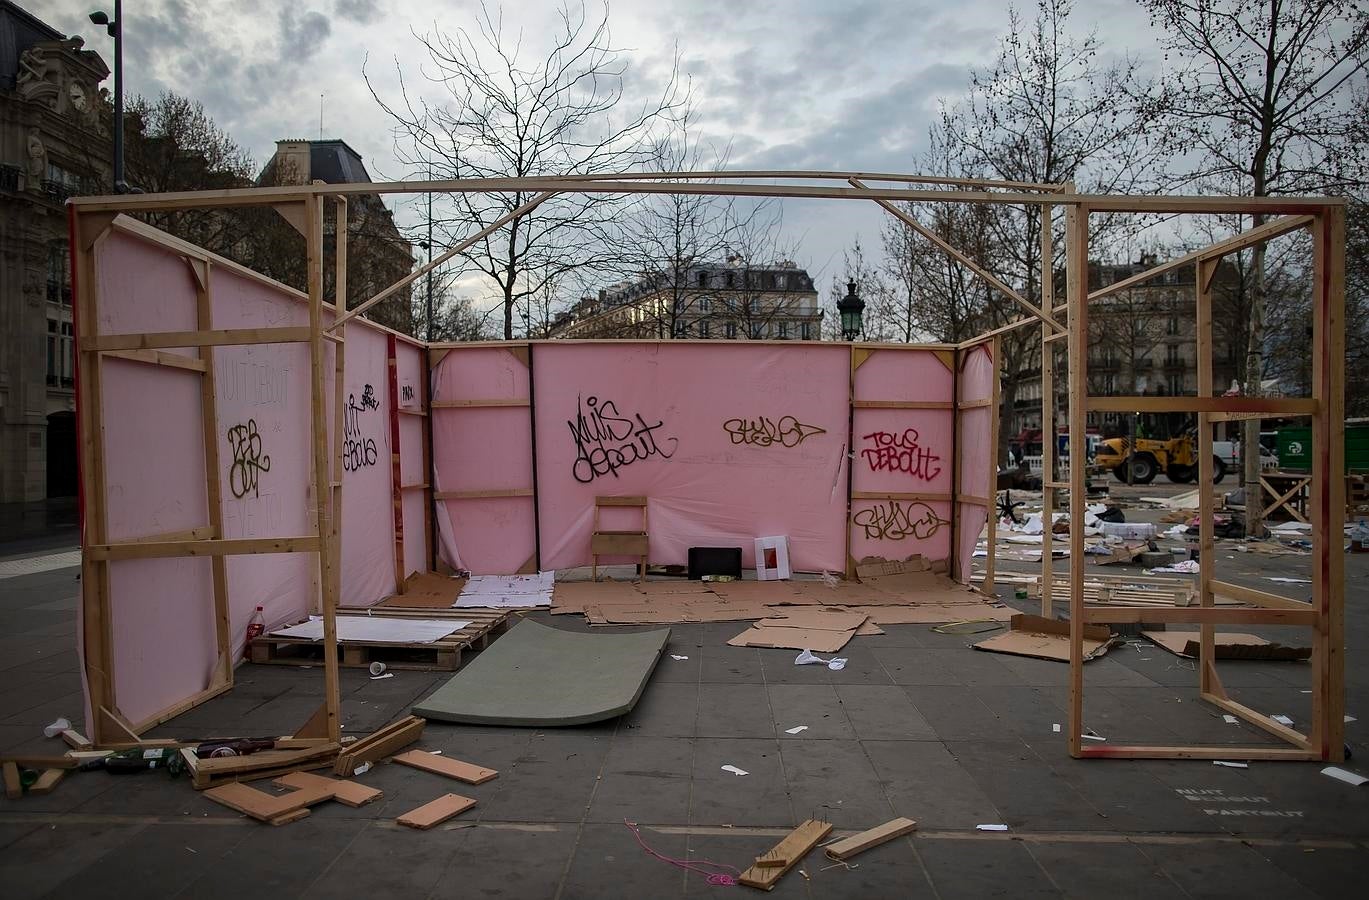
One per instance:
(722,879)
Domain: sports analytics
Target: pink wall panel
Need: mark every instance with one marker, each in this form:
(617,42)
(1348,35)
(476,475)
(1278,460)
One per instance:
(896,529)
(411,372)
(415,548)
(483,449)
(682,424)
(142,287)
(368,535)
(902,451)
(977,466)
(903,375)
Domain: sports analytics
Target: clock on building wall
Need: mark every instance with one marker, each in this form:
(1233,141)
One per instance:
(78,96)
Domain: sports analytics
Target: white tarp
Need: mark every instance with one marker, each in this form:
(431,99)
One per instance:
(377,629)
(507,590)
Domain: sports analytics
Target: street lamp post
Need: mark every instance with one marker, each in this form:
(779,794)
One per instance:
(851,308)
(115,28)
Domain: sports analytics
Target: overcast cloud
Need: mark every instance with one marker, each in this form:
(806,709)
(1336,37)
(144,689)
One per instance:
(809,84)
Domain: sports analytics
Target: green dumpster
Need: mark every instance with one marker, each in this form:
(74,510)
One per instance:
(1295,448)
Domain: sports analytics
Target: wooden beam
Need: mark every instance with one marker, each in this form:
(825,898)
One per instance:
(294,214)
(238,547)
(1133,751)
(1077,280)
(950,250)
(901,404)
(215,338)
(1197,615)
(160,358)
(888,495)
(1273,406)
(445,765)
(482,495)
(396,467)
(1258,719)
(1257,597)
(209,430)
(1206,519)
(446,255)
(873,837)
(771,866)
(476,404)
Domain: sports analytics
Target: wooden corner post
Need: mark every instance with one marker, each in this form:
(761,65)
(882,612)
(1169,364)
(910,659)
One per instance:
(1076,286)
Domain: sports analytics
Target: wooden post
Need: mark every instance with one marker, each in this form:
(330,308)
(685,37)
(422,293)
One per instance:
(396,467)
(957,361)
(1327,507)
(857,357)
(1207,660)
(213,486)
(1047,418)
(1077,284)
(991,520)
(322,482)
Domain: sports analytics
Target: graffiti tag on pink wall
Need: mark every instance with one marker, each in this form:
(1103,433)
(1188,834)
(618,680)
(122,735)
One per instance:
(887,451)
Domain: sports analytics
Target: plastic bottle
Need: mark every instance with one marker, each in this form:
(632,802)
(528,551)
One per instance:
(254,630)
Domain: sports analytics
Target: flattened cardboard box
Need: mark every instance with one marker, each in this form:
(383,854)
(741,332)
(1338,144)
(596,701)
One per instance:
(820,629)
(1226,645)
(1041,638)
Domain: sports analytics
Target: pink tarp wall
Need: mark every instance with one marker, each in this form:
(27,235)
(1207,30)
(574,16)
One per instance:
(164,646)
(902,457)
(977,466)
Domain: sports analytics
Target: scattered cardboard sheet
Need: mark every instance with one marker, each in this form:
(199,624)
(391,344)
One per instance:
(1042,638)
(1228,645)
(507,591)
(932,614)
(377,629)
(426,590)
(671,586)
(820,629)
(576,596)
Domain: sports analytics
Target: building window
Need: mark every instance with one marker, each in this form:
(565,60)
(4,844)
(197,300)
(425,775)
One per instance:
(755,330)
(681,330)
(781,281)
(60,359)
(59,274)
(805,331)
(730,330)
(705,304)
(1173,325)
(703,279)
(704,330)
(729,279)
(784,330)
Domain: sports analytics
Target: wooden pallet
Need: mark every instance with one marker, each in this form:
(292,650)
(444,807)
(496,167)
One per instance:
(441,655)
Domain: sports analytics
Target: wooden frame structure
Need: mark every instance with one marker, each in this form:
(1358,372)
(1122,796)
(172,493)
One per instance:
(1068,322)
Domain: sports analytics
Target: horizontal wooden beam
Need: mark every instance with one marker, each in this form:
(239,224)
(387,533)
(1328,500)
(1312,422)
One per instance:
(219,338)
(478,404)
(1198,615)
(161,549)
(972,500)
(412,412)
(1259,720)
(975,404)
(886,495)
(1132,751)
(423,485)
(1273,406)
(159,358)
(482,495)
(1257,597)
(902,404)
(203,533)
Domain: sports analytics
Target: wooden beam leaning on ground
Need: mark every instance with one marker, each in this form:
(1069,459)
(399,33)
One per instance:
(771,866)
(441,765)
(858,843)
(379,744)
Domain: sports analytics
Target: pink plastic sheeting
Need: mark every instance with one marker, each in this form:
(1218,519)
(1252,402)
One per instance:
(681,423)
(977,469)
(902,451)
(480,449)
(156,487)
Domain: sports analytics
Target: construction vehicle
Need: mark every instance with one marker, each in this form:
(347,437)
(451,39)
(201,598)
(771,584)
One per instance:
(1139,460)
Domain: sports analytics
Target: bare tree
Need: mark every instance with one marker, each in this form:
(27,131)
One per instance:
(502,114)
(1263,90)
(1048,111)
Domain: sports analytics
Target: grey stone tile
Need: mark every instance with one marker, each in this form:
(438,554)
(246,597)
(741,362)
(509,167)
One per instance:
(883,712)
(975,869)
(1026,789)
(665,709)
(734,710)
(646,779)
(816,705)
(494,862)
(835,782)
(608,863)
(924,782)
(721,798)
(955,712)
(553,781)
(389,860)
(160,862)
(1093,869)
(725,664)
(1213,870)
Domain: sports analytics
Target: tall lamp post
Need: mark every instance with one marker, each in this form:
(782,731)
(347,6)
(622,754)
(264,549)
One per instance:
(851,308)
(115,28)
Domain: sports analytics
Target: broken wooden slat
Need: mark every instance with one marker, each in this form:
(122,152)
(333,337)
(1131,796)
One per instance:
(436,812)
(47,781)
(348,793)
(452,768)
(206,773)
(792,849)
(379,744)
(858,843)
(77,740)
(14,788)
(263,806)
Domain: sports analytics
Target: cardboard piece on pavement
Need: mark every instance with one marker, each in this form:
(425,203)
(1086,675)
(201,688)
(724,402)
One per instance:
(1227,645)
(820,629)
(1042,638)
(426,590)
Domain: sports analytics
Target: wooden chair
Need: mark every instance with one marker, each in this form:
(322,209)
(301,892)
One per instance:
(619,543)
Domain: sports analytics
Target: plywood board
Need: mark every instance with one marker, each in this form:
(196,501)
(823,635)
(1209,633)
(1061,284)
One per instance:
(1041,638)
(540,676)
(442,765)
(348,793)
(263,806)
(436,812)
(1227,645)
(377,629)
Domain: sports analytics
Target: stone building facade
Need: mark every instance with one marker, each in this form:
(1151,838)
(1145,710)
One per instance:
(51,147)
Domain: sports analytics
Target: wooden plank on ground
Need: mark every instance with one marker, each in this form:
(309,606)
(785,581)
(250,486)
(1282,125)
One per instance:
(792,849)
(47,781)
(76,740)
(14,788)
(348,793)
(436,812)
(441,765)
(263,806)
(859,843)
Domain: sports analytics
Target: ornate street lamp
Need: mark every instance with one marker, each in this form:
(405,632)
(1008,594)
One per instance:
(115,28)
(851,308)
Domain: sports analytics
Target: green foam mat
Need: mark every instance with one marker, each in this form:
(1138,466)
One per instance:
(535,675)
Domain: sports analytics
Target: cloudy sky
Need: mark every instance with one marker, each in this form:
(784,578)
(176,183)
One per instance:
(808,84)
